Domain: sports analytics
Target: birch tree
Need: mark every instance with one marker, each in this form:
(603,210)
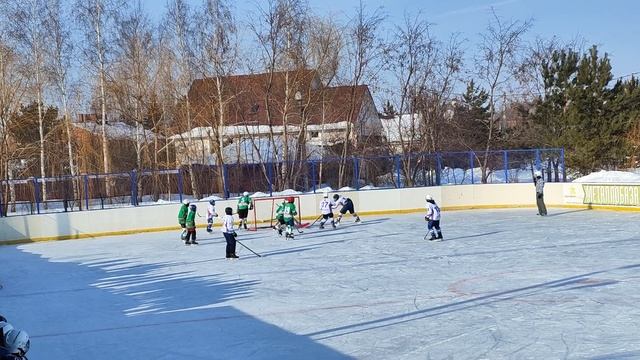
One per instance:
(496,63)
(60,54)
(95,18)
(30,32)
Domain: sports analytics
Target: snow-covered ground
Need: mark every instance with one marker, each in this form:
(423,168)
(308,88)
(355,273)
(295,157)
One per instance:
(615,177)
(506,285)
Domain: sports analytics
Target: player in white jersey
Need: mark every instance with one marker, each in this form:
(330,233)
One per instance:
(326,209)
(211,213)
(433,218)
(229,233)
(347,206)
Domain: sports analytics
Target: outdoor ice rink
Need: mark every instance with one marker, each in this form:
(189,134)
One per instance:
(505,284)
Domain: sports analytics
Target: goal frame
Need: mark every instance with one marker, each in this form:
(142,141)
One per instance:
(269,222)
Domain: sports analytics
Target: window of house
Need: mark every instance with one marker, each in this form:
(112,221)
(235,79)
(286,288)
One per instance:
(315,134)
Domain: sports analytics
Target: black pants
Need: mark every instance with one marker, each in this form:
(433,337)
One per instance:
(347,207)
(542,209)
(231,243)
(191,235)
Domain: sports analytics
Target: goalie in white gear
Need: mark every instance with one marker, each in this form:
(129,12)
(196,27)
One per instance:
(326,209)
(211,213)
(433,218)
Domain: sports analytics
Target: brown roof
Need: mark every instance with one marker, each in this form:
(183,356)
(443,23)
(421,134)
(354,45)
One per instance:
(247,98)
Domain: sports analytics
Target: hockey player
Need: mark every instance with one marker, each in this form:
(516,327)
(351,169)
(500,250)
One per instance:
(191,226)
(433,218)
(280,217)
(244,205)
(211,213)
(229,233)
(538,181)
(14,343)
(347,205)
(289,212)
(182,218)
(326,209)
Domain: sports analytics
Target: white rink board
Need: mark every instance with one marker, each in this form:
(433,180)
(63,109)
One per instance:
(506,284)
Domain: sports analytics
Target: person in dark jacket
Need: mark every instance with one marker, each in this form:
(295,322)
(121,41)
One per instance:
(539,183)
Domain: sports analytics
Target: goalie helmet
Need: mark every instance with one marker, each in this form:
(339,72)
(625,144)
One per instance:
(17,342)
(192,207)
(228,211)
(245,194)
(428,197)
(185,202)
(290,199)
(212,202)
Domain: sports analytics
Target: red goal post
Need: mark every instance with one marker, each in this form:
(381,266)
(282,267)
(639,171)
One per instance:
(264,211)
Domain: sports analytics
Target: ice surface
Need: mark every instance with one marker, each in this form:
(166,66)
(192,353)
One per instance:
(506,284)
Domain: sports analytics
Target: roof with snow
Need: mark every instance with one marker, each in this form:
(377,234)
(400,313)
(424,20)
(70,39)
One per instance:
(114,130)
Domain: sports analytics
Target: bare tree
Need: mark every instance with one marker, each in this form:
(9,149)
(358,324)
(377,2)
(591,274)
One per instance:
(30,31)
(281,35)
(180,34)
(96,17)
(134,47)
(364,50)
(60,54)
(12,90)
(217,58)
(496,63)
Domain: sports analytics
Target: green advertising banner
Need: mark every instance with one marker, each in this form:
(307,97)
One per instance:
(612,194)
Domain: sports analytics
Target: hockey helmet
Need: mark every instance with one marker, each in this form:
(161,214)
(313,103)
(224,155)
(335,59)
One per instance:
(228,211)
(428,197)
(185,202)
(336,197)
(290,199)
(5,327)
(212,202)
(192,207)
(17,342)
(245,194)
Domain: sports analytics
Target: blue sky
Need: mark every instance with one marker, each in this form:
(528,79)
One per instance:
(612,25)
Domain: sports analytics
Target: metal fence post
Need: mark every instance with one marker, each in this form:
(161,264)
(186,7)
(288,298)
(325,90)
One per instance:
(438,168)
(179,184)
(538,166)
(313,175)
(564,168)
(134,188)
(471,166)
(1,204)
(356,172)
(270,177)
(36,188)
(224,181)
(397,161)
(86,192)
(505,159)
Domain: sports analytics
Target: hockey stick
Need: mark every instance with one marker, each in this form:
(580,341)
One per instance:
(248,248)
(315,221)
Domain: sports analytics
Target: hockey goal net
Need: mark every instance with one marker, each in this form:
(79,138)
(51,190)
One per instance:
(264,212)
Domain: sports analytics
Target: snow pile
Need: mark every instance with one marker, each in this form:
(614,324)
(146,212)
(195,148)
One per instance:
(369,187)
(287,192)
(259,194)
(346,188)
(212,197)
(324,189)
(604,176)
